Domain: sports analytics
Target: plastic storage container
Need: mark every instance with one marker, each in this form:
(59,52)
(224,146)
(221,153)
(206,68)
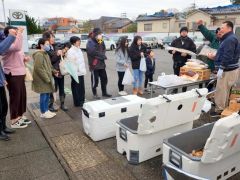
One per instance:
(141,137)
(99,117)
(221,151)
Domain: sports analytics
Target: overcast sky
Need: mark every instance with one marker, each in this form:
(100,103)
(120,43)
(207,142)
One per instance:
(93,9)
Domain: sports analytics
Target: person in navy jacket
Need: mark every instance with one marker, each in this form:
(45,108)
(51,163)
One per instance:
(150,62)
(227,64)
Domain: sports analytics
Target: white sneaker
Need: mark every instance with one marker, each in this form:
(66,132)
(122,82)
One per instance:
(122,93)
(25,120)
(51,113)
(18,125)
(46,116)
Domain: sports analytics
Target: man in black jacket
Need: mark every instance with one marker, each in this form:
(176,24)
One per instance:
(179,59)
(96,51)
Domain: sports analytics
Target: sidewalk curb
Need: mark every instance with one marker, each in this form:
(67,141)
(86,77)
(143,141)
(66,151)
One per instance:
(65,166)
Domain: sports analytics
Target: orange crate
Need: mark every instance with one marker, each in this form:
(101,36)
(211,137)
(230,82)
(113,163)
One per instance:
(204,74)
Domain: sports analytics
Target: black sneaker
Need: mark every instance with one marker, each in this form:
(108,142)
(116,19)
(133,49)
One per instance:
(107,95)
(9,131)
(215,114)
(4,136)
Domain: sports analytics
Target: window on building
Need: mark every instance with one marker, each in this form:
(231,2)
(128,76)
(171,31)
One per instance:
(164,25)
(194,26)
(147,27)
(181,25)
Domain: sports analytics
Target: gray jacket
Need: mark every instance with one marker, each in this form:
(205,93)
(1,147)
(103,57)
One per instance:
(121,59)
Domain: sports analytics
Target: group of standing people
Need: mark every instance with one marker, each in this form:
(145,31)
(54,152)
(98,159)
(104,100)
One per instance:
(225,64)
(12,75)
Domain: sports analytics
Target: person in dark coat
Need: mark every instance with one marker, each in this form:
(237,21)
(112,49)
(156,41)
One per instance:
(150,62)
(55,57)
(137,51)
(96,52)
(179,59)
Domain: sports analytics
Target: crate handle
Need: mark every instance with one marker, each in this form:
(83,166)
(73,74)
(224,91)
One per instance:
(123,134)
(85,112)
(168,100)
(175,159)
(199,94)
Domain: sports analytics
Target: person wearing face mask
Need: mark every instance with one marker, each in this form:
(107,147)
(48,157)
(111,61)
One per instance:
(227,65)
(213,38)
(96,52)
(75,55)
(15,71)
(42,77)
(179,59)
(55,57)
(123,62)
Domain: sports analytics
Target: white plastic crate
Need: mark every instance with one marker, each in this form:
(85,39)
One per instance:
(141,137)
(99,117)
(220,142)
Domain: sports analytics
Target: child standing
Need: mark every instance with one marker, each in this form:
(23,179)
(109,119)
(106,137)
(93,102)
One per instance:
(150,62)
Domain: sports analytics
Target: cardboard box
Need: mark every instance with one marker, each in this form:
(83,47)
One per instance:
(204,74)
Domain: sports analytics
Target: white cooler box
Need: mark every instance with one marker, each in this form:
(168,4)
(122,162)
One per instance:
(141,137)
(220,142)
(99,117)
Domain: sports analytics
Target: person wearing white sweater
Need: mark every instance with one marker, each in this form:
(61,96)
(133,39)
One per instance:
(76,56)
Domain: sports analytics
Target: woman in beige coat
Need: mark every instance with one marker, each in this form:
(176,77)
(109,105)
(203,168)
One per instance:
(43,78)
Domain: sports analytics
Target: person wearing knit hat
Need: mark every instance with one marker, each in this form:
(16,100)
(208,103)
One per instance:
(179,59)
(96,52)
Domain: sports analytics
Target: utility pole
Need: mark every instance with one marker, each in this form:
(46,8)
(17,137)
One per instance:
(4,15)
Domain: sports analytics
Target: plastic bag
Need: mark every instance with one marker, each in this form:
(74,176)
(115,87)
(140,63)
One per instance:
(206,50)
(143,66)
(62,67)
(28,76)
(128,78)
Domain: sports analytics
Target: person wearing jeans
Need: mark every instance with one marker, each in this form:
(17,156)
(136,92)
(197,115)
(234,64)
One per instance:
(44,99)
(43,78)
(136,52)
(122,63)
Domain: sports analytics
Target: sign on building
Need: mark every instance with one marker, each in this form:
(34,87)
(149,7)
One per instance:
(18,19)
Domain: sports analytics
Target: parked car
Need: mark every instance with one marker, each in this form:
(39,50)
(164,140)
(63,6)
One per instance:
(109,43)
(198,42)
(32,43)
(168,40)
(119,39)
(150,42)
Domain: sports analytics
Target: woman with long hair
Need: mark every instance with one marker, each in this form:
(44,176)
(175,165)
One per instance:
(136,52)
(123,62)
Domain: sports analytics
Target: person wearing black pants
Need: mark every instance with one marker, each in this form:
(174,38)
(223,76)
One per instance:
(123,62)
(78,91)
(96,51)
(150,63)
(120,79)
(75,55)
(179,59)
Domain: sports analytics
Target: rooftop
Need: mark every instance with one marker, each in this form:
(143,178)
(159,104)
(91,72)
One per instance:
(230,9)
(155,16)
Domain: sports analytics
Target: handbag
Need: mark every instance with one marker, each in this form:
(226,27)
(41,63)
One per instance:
(28,76)
(143,66)
(62,67)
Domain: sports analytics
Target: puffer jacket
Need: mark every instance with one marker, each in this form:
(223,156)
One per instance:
(135,55)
